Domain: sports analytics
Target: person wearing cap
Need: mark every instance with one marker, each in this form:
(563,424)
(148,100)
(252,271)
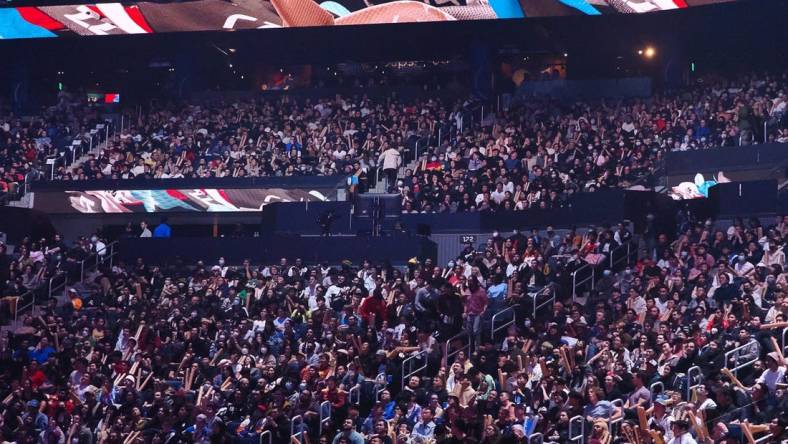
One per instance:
(774,375)
(39,420)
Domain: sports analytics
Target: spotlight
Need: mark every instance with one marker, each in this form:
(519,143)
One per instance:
(649,52)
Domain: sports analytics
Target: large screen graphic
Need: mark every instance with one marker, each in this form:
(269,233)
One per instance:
(148,17)
(205,200)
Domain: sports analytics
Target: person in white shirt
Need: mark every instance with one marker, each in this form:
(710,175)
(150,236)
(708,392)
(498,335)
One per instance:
(499,194)
(774,374)
(681,435)
(145,231)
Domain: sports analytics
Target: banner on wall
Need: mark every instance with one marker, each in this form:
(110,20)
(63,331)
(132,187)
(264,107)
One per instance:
(210,200)
(97,19)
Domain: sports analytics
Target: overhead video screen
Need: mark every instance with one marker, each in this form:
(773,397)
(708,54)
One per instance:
(96,19)
(203,200)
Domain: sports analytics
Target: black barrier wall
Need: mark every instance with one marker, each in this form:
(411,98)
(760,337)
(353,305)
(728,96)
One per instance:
(726,159)
(396,250)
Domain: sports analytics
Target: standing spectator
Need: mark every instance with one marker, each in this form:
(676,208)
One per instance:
(162,230)
(390,160)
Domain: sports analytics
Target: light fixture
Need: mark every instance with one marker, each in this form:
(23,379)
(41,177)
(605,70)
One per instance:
(649,52)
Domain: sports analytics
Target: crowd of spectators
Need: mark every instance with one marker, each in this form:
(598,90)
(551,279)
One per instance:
(539,150)
(538,153)
(27,142)
(221,352)
(31,265)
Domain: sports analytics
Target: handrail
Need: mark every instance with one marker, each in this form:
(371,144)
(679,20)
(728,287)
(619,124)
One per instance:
(357,390)
(325,416)
(22,302)
(409,364)
(299,437)
(616,423)
(467,347)
(784,339)
(576,284)
(690,385)
(582,436)
(653,387)
(536,438)
(736,352)
(380,381)
(614,262)
(550,300)
(98,259)
(21,305)
(494,329)
(765,438)
(269,435)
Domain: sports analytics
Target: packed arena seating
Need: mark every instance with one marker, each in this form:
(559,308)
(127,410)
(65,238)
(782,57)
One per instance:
(682,345)
(561,147)
(26,142)
(38,268)
(540,153)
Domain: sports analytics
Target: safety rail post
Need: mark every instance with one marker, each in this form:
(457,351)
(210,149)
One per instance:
(736,353)
(82,270)
(536,438)
(380,381)
(325,416)
(409,364)
(357,390)
(615,424)
(266,433)
(112,253)
(690,385)
(21,305)
(764,439)
(550,300)
(765,131)
(452,353)
(654,386)
(576,284)
(582,436)
(494,329)
(784,339)
(299,437)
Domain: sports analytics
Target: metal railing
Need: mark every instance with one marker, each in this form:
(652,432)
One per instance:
(505,324)
(736,354)
(615,258)
(357,390)
(576,284)
(23,302)
(653,388)
(621,259)
(325,416)
(784,339)
(581,438)
(297,436)
(28,299)
(615,424)
(409,365)
(91,263)
(380,381)
(764,439)
(266,433)
(67,156)
(549,301)
(466,347)
(536,438)
(690,385)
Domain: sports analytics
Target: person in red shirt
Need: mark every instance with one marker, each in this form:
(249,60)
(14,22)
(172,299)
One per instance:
(373,308)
